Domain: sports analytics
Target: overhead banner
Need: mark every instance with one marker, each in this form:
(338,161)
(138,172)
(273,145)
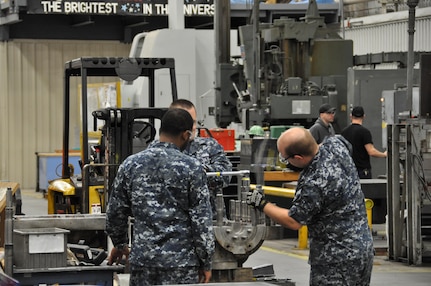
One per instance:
(121,7)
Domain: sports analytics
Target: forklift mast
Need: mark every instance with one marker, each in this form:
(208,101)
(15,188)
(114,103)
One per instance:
(124,128)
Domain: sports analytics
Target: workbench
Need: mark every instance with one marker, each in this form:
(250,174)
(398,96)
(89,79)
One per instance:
(279,176)
(17,201)
(65,275)
(70,275)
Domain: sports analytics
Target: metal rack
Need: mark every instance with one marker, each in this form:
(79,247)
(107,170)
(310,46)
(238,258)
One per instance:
(408,191)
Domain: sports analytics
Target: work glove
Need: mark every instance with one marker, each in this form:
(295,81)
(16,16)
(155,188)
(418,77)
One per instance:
(256,199)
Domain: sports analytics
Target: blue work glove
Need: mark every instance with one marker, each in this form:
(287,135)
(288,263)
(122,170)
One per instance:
(256,199)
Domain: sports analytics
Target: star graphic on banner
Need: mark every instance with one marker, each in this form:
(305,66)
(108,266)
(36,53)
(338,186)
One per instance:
(131,7)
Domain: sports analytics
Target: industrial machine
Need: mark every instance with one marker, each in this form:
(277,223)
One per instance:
(281,79)
(409,170)
(409,198)
(239,232)
(285,73)
(120,132)
(291,64)
(406,121)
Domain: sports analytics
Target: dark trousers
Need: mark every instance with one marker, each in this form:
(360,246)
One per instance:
(355,272)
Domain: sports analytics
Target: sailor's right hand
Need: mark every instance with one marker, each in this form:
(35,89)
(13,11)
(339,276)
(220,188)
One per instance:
(256,199)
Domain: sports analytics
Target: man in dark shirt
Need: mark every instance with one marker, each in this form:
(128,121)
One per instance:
(362,143)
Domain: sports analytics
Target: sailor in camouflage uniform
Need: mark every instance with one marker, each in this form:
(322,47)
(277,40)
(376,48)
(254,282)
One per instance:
(330,201)
(208,151)
(165,192)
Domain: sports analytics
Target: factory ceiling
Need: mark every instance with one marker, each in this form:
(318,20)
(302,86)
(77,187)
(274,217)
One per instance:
(122,19)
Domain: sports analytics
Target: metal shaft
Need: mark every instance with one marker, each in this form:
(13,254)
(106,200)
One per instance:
(219,204)
(8,245)
(410,53)
(228,173)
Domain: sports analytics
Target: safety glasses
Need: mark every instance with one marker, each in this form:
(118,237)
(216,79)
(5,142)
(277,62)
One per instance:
(285,160)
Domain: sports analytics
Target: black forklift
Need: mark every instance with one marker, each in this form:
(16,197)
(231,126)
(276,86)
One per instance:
(125,131)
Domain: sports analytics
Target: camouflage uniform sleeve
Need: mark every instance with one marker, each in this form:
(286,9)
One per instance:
(307,203)
(219,162)
(119,208)
(201,218)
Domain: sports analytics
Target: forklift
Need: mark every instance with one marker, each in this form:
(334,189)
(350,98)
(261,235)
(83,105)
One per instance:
(125,132)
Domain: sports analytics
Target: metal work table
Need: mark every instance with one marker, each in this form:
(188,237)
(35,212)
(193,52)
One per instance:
(64,275)
(374,188)
(280,176)
(97,275)
(17,202)
(254,283)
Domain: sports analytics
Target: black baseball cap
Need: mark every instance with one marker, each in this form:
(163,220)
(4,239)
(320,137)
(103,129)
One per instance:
(326,108)
(358,111)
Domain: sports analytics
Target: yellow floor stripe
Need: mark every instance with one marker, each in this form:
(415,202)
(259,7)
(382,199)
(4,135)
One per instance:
(380,266)
(266,248)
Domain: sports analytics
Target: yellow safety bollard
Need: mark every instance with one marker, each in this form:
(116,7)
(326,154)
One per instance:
(369,204)
(303,237)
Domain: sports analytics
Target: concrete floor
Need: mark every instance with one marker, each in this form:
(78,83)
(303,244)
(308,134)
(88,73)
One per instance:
(287,260)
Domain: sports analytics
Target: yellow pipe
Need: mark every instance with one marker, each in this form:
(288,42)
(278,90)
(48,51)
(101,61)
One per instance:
(276,191)
(288,193)
(303,231)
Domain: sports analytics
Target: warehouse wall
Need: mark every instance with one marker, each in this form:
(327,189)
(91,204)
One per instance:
(388,32)
(31,100)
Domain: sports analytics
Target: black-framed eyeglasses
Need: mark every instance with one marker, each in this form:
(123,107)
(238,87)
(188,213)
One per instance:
(285,160)
(330,112)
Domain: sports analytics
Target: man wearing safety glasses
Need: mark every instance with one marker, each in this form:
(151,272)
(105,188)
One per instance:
(323,125)
(329,200)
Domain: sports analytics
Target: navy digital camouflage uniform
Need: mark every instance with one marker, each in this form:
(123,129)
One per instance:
(165,192)
(330,201)
(212,156)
